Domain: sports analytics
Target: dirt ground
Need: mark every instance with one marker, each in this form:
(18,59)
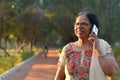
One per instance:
(39,69)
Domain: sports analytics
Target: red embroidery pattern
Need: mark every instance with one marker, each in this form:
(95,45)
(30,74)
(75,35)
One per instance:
(73,63)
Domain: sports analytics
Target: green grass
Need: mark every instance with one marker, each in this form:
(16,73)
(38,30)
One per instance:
(7,63)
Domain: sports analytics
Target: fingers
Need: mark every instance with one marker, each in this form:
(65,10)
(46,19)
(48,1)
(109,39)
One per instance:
(93,37)
(94,40)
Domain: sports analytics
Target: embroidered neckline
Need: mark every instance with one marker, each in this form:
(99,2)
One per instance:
(77,48)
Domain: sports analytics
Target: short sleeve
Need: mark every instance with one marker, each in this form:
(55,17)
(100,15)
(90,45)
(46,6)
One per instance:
(105,47)
(62,59)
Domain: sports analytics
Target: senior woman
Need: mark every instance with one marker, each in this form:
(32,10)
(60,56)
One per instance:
(88,58)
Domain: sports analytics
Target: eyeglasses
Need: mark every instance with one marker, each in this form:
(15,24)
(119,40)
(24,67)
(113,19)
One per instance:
(84,24)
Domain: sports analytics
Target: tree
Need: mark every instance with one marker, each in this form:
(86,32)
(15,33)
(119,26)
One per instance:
(107,12)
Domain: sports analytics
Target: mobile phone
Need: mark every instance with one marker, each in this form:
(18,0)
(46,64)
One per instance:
(94,30)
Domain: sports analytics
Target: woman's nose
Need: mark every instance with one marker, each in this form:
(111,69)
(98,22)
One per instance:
(79,25)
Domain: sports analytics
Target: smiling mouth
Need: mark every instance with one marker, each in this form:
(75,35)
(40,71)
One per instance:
(80,32)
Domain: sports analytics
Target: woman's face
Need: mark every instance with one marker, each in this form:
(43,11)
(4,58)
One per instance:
(82,26)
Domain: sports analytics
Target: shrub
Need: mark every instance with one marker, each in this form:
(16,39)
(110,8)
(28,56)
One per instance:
(7,63)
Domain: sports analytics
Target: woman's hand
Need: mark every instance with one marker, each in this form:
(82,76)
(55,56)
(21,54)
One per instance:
(95,41)
(108,63)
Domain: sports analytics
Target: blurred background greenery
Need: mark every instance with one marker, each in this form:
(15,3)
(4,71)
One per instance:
(35,23)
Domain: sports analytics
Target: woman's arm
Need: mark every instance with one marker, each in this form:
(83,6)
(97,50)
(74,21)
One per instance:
(60,74)
(106,58)
(108,64)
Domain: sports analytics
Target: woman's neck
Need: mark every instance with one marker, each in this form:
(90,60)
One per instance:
(84,43)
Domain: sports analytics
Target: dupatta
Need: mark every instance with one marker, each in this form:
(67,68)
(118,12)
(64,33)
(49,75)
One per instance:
(96,72)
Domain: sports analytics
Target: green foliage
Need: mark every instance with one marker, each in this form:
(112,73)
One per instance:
(108,17)
(116,51)
(116,77)
(7,63)
(25,55)
(59,49)
(28,20)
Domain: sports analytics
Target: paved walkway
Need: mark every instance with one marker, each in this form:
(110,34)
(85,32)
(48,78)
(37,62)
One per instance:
(38,69)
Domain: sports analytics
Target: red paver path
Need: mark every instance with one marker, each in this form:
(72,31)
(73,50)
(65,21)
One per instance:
(38,69)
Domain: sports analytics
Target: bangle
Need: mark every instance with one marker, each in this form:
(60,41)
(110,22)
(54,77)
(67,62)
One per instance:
(104,55)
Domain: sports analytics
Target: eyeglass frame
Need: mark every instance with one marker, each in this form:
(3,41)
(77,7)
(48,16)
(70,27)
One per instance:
(83,24)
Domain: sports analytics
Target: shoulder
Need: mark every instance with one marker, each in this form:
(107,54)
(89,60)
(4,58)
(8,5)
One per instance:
(105,46)
(68,47)
(103,42)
